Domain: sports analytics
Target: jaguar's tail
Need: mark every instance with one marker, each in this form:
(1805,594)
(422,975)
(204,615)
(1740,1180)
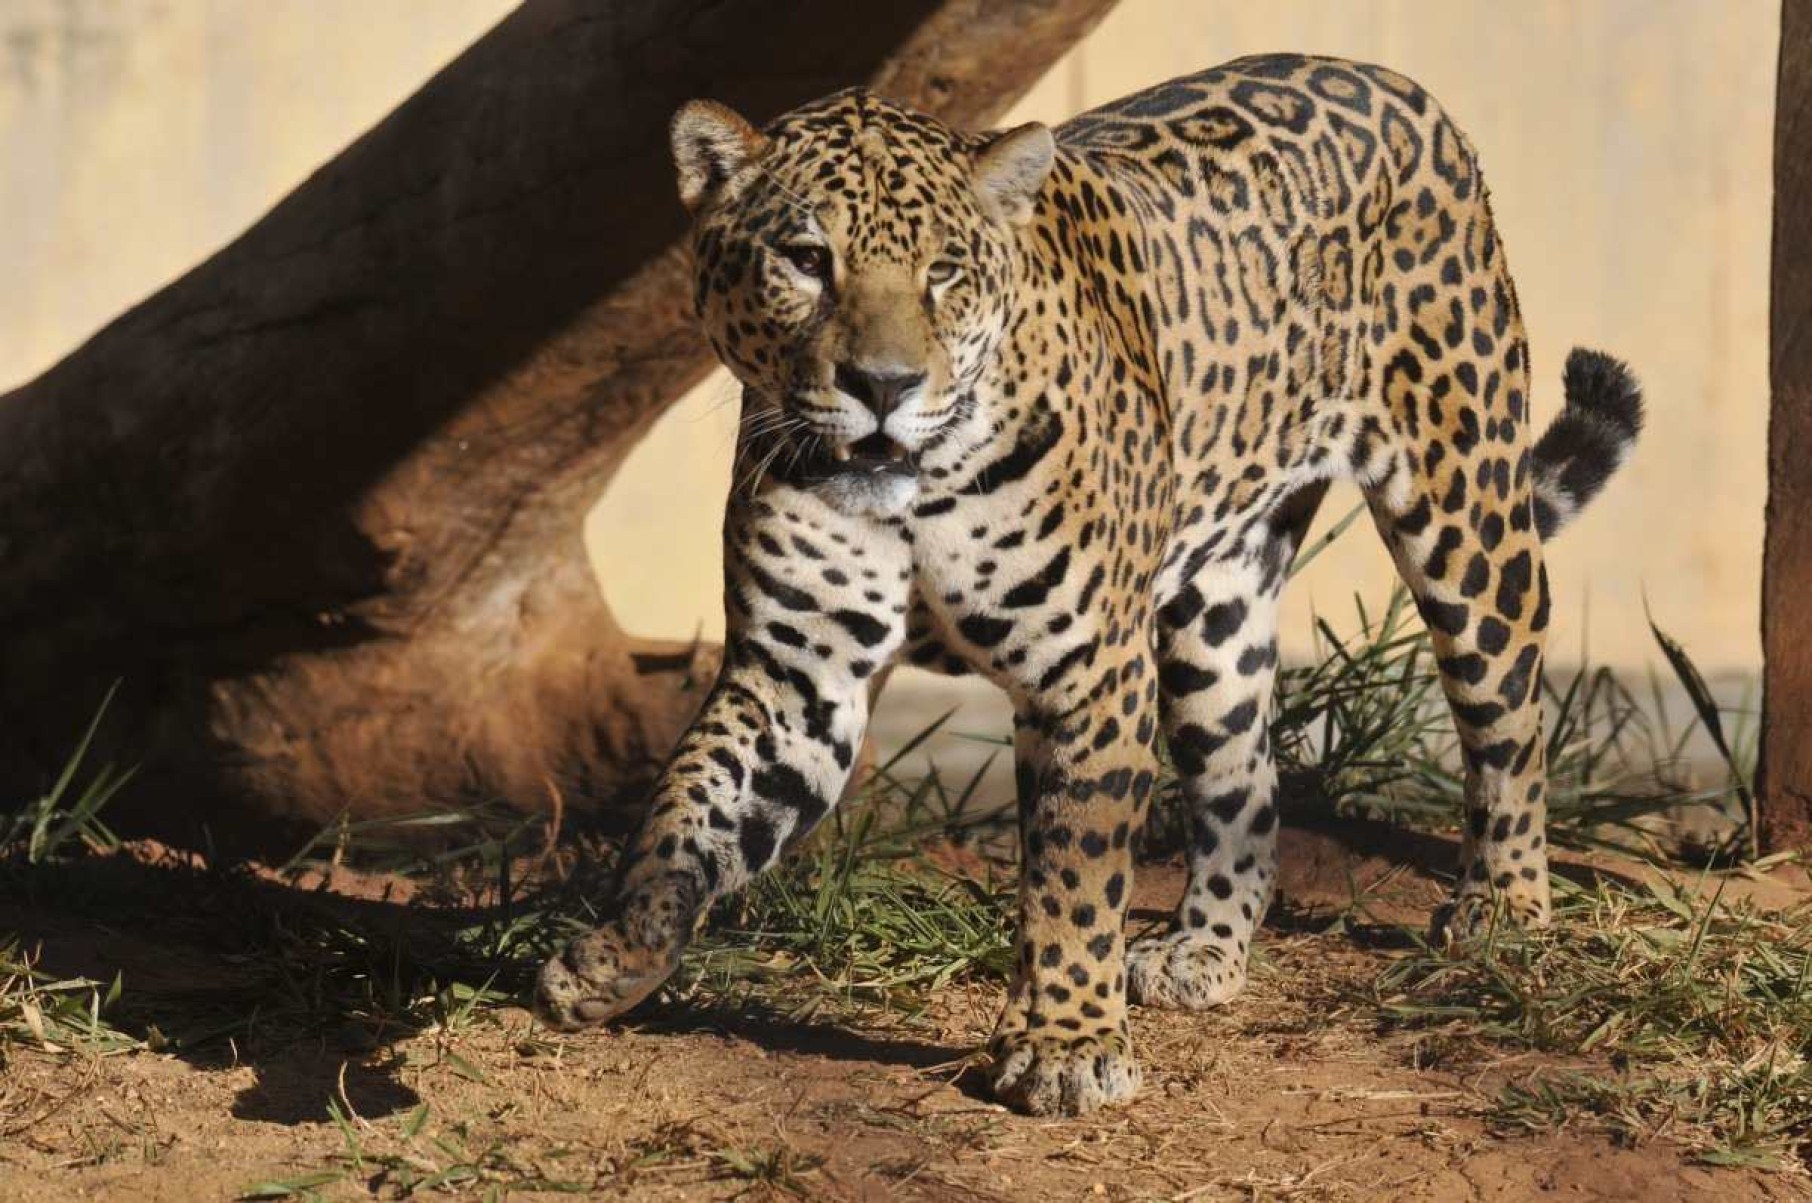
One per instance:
(1589,439)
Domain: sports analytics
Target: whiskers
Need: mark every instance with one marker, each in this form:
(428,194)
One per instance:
(804,449)
(766,435)
(765,423)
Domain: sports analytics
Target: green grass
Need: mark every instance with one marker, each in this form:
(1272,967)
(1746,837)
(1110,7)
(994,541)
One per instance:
(1367,725)
(1674,1013)
(47,826)
(1689,1015)
(56,1015)
(39,1011)
(857,931)
(1364,729)
(411,1155)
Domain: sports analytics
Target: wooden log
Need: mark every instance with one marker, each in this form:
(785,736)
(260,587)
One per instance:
(318,503)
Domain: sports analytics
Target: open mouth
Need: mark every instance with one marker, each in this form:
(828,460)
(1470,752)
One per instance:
(874,456)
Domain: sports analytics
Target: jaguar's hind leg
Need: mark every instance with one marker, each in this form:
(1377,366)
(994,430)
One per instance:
(1465,543)
(1217,651)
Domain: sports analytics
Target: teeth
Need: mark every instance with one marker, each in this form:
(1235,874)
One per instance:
(840,453)
(895,451)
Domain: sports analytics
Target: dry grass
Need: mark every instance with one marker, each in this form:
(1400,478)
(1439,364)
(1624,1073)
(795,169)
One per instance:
(1688,1017)
(1659,1009)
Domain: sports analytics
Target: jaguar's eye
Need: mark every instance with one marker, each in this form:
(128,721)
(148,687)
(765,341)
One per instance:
(813,261)
(942,272)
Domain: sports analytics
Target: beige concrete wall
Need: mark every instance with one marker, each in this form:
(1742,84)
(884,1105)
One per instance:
(137,136)
(1626,141)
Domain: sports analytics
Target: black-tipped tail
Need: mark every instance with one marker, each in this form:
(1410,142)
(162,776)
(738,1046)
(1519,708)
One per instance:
(1588,441)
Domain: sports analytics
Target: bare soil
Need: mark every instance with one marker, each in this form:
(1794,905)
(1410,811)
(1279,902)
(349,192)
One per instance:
(1292,1092)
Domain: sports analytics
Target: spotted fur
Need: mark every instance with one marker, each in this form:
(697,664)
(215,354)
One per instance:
(1058,410)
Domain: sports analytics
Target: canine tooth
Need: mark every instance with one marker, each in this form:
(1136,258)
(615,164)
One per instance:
(840,453)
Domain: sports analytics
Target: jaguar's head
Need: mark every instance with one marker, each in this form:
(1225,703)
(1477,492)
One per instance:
(854,267)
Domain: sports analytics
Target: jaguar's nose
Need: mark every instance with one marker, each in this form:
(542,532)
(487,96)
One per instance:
(881,391)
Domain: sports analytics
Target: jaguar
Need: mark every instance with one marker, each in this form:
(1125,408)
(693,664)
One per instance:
(1057,406)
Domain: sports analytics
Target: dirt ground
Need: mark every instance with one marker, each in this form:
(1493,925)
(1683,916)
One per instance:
(1290,1093)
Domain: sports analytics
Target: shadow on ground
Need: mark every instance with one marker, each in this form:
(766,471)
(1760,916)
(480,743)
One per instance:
(314,990)
(307,988)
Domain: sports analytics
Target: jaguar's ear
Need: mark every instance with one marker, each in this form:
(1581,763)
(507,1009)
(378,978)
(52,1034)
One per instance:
(711,143)
(1011,169)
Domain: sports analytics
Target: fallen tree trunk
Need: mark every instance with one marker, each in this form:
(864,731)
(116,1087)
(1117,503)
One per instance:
(318,503)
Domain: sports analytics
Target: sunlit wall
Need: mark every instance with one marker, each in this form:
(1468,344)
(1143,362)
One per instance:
(1626,142)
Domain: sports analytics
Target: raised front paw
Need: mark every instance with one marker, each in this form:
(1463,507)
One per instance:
(1047,1074)
(599,976)
(1184,970)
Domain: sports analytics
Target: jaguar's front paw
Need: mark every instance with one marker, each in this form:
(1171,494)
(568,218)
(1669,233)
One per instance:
(599,976)
(1047,1074)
